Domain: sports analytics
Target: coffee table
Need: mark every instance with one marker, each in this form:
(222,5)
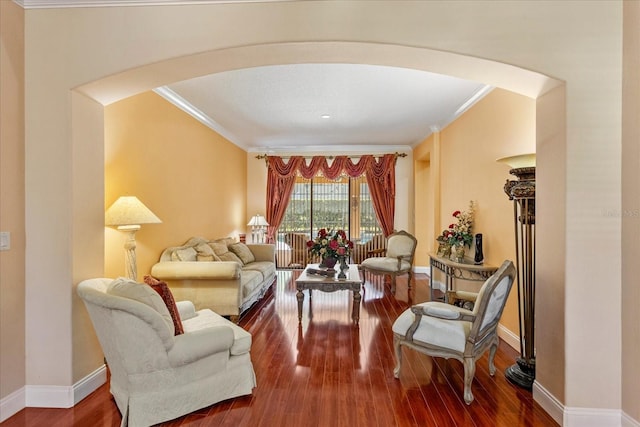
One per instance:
(330,284)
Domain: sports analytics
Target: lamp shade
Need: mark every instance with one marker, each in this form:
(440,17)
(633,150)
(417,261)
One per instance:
(258,220)
(128,210)
(519,161)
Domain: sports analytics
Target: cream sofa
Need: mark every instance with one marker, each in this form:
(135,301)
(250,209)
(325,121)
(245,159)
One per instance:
(223,275)
(156,374)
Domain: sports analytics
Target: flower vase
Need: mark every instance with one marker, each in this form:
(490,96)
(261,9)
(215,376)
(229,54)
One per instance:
(344,267)
(328,262)
(459,253)
(444,249)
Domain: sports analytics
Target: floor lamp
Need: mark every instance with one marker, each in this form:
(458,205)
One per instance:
(128,213)
(523,193)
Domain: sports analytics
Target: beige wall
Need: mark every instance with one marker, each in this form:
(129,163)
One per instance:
(501,124)
(157,45)
(631,211)
(12,282)
(193,179)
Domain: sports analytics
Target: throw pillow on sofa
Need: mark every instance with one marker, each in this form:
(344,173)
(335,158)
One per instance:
(205,253)
(222,251)
(243,252)
(185,254)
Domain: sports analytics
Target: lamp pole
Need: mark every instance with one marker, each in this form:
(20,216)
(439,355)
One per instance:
(523,193)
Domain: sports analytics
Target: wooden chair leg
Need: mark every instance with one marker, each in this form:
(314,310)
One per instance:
(398,351)
(469,372)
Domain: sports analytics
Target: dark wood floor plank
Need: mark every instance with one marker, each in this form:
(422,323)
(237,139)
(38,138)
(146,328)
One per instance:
(328,371)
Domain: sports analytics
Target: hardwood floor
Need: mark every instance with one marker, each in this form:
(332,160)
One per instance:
(327,372)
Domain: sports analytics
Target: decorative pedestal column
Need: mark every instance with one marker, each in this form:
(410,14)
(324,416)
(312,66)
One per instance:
(523,193)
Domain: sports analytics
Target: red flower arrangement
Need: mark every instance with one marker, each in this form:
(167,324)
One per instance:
(330,245)
(460,233)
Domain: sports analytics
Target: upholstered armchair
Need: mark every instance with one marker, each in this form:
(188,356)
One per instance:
(396,260)
(443,330)
(157,375)
(370,248)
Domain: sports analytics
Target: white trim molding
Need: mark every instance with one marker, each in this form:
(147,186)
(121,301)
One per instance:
(627,421)
(580,417)
(12,404)
(548,401)
(592,417)
(58,4)
(51,396)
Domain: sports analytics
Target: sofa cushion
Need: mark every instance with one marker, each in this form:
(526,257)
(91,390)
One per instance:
(243,252)
(226,240)
(266,268)
(165,293)
(184,254)
(250,280)
(219,248)
(206,318)
(230,256)
(127,288)
(204,252)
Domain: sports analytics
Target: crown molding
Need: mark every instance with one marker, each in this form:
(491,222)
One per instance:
(62,4)
(197,114)
(335,150)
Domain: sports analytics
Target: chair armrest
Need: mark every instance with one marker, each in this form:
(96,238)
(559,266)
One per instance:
(198,344)
(443,313)
(376,252)
(173,270)
(186,309)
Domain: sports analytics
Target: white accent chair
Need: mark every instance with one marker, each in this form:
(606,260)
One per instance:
(443,330)
(157,376)
(396,260)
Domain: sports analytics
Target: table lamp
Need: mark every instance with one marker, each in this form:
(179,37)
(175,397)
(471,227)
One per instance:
(258,227)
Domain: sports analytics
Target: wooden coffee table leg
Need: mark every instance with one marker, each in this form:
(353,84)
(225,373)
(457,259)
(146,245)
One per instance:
(356,306)
(300,297)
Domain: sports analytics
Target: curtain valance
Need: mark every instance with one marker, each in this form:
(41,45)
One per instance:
(380,175)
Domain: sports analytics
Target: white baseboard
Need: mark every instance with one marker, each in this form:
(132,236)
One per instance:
(592,417)
(549,403)
(49,396)
(509,337)
(425,270)
(89,384)
(627,421)
(580,417)
(12,404)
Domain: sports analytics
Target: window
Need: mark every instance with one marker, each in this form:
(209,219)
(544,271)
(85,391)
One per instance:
(318,203)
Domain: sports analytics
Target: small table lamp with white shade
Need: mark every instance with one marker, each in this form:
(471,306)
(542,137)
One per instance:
(128,213)
(258,228)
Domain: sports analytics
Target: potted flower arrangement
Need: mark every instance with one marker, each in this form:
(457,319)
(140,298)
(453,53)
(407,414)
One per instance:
(459,234)
(330,246)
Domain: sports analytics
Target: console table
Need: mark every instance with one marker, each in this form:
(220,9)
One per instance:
(465,270)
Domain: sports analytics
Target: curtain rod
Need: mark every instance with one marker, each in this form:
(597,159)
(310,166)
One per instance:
(264,156)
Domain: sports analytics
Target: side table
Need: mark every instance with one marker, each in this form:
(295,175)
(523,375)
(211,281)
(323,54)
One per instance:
(465,270)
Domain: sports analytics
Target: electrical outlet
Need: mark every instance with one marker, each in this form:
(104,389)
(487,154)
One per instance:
(5,240)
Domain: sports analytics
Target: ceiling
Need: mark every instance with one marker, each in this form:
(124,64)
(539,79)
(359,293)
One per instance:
(309,107)
(312,107)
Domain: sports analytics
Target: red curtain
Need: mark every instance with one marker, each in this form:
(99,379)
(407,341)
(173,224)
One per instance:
(281,177)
